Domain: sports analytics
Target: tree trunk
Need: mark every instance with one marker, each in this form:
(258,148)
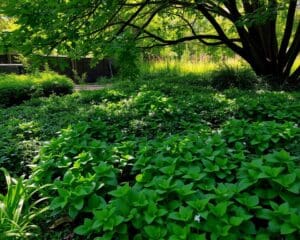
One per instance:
(260,48)
(273,71)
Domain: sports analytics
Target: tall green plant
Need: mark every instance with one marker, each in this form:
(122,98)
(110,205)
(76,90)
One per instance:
(18,209)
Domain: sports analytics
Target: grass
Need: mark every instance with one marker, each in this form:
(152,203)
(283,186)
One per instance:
(174,67)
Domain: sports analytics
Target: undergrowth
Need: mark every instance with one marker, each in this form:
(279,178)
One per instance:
(161,158)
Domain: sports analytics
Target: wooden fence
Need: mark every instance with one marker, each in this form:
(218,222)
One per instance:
(74,69)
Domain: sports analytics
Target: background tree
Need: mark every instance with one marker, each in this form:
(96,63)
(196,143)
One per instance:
(266,33)
(6,26)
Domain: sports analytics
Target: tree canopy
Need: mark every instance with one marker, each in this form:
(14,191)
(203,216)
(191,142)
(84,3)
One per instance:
(266,33)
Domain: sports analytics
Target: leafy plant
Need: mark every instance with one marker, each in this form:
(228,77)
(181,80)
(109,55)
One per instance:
(16,89)
(144,155)
(208,184)
(19,208)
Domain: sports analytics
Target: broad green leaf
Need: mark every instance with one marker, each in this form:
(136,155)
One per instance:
(286,229)
(120,191)
(236,221)
(220,209)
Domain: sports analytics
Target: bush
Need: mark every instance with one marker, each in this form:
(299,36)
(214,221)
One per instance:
(230,77)
(243,180)
(14,89)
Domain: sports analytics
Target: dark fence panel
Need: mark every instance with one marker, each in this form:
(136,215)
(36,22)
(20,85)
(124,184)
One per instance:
(74,69)
(12,68)
(9,59)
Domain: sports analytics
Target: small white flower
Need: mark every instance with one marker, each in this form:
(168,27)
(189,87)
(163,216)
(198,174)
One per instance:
(197,218)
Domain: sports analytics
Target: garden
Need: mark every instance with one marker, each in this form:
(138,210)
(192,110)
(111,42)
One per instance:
(170,148)
(164,157)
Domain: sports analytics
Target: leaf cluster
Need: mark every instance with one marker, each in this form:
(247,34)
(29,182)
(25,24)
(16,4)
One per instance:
(15,89)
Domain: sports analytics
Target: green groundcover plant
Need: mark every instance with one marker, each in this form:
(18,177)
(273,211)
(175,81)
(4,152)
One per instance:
(242,180)
(14,89)
(163,158)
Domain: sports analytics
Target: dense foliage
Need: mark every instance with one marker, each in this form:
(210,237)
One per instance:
(264,33)
(185,186)
(161,158)
(15,89)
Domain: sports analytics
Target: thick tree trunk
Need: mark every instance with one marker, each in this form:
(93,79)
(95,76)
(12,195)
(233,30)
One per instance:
(260,47)
(272,71)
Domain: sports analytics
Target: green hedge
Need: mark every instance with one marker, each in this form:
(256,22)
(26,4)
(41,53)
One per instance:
(14,89)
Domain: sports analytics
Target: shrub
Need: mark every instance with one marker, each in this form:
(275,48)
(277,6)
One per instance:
(243,180)
(230,77)
(52,83)
(14,89)
(18,209)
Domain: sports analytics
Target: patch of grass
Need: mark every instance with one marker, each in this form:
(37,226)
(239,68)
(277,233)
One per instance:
(181,68)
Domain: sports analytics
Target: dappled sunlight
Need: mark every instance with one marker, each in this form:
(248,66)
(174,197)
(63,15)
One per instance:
(221,98)
(175,67)
(179,120)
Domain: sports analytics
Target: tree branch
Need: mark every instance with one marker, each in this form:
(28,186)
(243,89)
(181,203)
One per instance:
(288,29)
